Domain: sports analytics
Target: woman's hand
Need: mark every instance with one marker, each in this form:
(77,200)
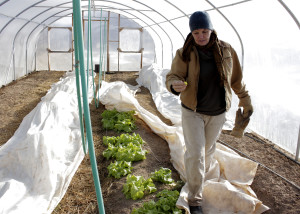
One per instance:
(179,85)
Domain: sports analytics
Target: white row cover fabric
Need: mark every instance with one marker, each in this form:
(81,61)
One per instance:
(227,186)
(37,164)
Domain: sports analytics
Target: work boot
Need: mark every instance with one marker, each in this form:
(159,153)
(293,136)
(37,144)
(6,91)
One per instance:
(196,210)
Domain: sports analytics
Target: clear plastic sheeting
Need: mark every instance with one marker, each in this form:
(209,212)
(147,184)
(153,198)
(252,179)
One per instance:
(227,184)
(265,35)
(269,55)
(167,21)
(38,162)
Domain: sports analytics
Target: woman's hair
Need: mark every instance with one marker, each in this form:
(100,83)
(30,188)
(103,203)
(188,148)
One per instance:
(187,47)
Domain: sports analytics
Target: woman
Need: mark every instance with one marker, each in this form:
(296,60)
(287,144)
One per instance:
(203,73)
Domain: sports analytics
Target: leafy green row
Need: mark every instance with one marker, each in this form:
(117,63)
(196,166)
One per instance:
(127,148)
(118,121)
(166,204)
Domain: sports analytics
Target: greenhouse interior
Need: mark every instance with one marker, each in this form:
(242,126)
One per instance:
(51,160)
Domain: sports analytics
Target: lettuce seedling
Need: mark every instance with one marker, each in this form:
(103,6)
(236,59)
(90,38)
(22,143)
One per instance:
(166,204)
(136,187)
(119,169)
(118,121)
(163,175)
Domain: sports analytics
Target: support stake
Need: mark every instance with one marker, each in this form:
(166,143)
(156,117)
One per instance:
(298,146)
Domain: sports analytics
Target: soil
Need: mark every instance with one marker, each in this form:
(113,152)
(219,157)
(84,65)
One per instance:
(276,182)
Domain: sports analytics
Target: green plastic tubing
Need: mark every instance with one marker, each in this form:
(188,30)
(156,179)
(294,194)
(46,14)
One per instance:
(79,95)
(90,52)
(88,48)
(80,49)
(102,44)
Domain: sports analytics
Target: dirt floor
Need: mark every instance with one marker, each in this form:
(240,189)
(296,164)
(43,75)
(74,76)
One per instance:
(276,183)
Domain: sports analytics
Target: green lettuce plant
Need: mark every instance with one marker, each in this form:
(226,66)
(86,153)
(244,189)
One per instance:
(163,175)
(119,169)
(166,204)
(137,186)
(118,121)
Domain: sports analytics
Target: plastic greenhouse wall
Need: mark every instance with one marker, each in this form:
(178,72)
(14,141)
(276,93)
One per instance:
(264,34)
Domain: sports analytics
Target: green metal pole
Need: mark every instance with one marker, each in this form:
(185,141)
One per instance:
(78,91)
(88,46)
(77,16)
(91,52)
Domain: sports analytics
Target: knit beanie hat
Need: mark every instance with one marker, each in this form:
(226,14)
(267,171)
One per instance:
(200,20)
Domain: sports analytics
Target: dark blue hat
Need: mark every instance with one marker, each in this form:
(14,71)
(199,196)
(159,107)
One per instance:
(200,19)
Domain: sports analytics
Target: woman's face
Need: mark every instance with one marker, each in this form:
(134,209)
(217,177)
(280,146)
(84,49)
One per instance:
(201,36)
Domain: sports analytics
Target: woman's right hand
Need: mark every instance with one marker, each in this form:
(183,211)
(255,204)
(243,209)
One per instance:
(178,85)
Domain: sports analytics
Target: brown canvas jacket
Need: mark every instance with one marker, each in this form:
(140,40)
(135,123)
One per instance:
(190,71)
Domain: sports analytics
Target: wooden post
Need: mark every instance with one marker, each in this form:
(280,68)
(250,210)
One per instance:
(73,65)
(141,46)
(141,65)
(298,146)
(119,17)
(107,40)
(48,48)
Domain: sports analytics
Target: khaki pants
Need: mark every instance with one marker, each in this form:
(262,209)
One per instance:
(200,134)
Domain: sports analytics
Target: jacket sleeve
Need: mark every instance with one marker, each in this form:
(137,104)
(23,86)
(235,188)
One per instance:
(178,71)
(237,83)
